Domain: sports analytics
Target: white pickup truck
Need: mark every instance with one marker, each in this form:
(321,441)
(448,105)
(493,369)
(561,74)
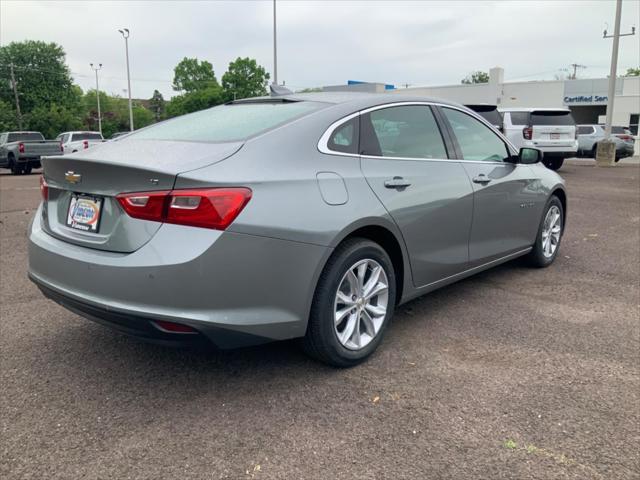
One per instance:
(71,142)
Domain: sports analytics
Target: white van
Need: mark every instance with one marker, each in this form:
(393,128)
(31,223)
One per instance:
(552,130)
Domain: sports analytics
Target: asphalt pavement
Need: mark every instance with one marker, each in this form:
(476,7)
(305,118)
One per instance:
(515,373)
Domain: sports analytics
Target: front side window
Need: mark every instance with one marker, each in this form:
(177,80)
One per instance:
(476,141)
(407,131)
(585,130)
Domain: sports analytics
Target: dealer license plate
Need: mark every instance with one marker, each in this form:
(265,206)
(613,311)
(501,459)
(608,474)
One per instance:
(84,212)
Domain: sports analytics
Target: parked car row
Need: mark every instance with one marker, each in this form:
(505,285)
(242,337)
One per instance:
(20,152)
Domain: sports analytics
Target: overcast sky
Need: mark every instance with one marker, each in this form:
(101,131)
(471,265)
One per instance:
(325,43)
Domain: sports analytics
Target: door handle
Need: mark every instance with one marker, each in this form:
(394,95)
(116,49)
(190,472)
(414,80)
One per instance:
(397,182)
(481,179)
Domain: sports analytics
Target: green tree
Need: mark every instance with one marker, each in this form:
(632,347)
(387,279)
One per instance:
(194,101)
(244,79)
(42,77)
(632,72)
(157,105)
(191,75)
(8,120)
(52,120)
(476,77)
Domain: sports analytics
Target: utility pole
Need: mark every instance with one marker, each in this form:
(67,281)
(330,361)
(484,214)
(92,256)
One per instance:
(95,69)
(575,70)
(606,150)
(125,35)
(275,47)
(15,94)
(614,65)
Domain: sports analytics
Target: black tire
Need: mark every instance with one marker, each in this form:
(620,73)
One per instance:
(594,152)
(553,163)
(321,340)
(27,170)
(536,257)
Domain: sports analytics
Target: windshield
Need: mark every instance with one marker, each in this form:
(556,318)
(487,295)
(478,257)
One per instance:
(25,137)
(227,123)
(86,136)
(551,117)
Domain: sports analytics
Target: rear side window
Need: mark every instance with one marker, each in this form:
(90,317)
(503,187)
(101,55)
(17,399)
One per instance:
(227,123)
(86,136)
(477,142)
(345,137)
(585,130)
(408,131)
(620,130)
(25,137)
(552,118)
(519,118)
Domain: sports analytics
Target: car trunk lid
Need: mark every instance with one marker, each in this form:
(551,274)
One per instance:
(92,179)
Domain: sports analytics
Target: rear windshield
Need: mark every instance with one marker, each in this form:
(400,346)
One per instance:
(24,137)
(227,123)
(86,136)
(552,118)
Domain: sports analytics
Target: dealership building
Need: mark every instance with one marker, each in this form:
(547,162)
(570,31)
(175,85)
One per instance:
(586,98)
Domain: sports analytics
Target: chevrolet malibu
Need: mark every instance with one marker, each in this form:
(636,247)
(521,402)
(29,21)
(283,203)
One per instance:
(294,216)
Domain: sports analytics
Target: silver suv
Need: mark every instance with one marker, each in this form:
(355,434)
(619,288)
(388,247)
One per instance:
(590,135)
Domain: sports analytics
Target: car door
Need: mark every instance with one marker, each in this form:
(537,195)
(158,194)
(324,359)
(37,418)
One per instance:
(508,197)
(405,161)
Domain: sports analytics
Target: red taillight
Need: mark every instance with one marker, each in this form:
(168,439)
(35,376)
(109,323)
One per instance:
(206,208)
(626,138)
(527,133)
(85,144)
(174,327)
(44,188)
(21,147)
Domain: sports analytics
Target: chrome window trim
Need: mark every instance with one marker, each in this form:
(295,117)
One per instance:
(324,139)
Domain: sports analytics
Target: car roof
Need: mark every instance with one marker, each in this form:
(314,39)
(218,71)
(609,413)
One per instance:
(355,99)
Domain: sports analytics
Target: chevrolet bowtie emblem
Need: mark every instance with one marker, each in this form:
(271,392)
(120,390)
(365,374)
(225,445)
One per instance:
(72,177)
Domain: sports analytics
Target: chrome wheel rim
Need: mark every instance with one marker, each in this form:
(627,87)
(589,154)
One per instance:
(551,230)
(360,306)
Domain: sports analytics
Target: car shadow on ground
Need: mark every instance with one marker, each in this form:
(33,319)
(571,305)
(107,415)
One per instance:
(148,364)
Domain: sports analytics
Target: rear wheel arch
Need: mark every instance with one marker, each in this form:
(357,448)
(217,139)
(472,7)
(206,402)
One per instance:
(389,242)
(562,196)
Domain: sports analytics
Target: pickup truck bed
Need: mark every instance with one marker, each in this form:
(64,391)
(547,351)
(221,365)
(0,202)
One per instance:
(21,151)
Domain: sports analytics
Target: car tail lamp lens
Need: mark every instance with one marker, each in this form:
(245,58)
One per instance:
(85,144)
(527,133)
(21,147)
(626,138)
(44,188)
(213,208)
(145,205)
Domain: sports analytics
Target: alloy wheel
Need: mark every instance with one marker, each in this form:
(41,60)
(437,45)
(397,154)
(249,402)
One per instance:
(551,230)
(360,305)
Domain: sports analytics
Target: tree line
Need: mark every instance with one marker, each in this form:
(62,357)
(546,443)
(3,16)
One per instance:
(50,102)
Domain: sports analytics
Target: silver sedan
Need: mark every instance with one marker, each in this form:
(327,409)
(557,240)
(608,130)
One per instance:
(295,216)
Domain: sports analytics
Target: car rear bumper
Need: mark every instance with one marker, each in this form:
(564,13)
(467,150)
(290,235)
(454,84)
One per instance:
(233,289)
(567,148)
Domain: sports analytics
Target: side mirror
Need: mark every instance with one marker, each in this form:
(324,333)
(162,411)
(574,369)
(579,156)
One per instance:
(529,156)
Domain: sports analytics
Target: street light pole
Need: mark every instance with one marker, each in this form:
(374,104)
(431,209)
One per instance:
(275,47)
(606,150)
(125,35)
(95,69)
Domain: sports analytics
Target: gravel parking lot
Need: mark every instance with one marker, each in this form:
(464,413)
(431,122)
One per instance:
(515,373)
